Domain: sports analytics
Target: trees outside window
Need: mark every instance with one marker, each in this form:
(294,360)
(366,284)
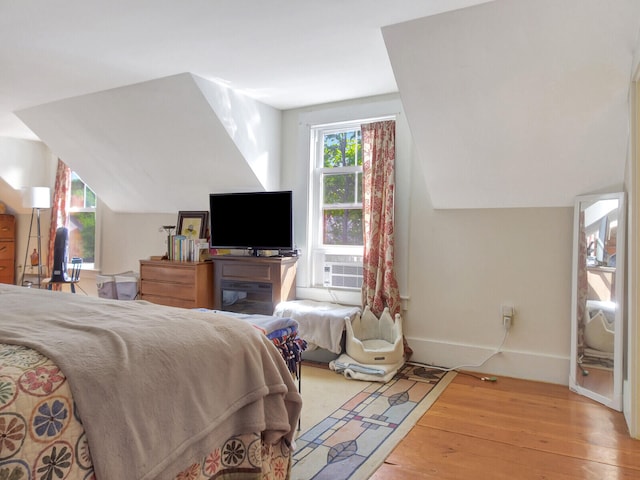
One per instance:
(82,222)
(341,174)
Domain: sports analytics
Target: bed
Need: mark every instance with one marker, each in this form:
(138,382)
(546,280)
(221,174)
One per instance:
(93,388)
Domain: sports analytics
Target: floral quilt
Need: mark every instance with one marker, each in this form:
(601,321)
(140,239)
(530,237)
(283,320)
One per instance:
(42,437)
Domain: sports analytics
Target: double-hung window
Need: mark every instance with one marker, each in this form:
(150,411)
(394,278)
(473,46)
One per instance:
(336,202)
(81,222)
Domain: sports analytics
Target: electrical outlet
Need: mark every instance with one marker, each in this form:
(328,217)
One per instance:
(507,316)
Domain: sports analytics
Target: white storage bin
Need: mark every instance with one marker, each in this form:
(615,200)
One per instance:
(127,286)
(119,286)
(106,285)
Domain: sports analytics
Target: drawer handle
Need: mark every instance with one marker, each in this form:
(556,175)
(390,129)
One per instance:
(2,268)
(3,248)
(5,229)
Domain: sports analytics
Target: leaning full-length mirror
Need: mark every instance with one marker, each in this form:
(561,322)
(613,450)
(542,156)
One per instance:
(597,298)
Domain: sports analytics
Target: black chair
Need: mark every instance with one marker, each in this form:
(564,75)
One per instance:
(60,275)
(71,278)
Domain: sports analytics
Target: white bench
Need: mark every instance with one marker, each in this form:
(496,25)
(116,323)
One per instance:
(321,324)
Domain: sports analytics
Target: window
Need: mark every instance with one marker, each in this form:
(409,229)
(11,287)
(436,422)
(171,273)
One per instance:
(336,191)
(81,222)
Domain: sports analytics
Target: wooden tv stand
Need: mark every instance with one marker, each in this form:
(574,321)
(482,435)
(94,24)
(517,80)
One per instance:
(253,284)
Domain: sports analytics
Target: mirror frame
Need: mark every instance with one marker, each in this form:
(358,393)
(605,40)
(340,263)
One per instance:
(615,401)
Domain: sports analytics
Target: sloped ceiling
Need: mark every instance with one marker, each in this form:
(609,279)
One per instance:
(154,145)
(103,84)
(512,103)
(518,103)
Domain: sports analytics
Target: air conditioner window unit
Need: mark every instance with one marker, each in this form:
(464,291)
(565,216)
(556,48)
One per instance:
(342,275)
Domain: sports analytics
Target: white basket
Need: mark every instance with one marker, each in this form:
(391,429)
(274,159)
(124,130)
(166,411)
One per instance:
(106,285)
(120,286)
(127,286)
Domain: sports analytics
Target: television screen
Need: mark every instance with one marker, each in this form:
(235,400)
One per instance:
(252,220)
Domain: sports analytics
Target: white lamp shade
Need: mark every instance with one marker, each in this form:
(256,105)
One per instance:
(36,197)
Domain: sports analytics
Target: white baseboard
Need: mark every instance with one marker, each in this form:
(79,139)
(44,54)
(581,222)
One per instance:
(509,363)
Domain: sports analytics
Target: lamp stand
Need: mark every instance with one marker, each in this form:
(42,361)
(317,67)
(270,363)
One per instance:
(36,212)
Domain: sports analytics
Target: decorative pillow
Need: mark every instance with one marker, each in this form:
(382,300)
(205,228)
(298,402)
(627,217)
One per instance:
(597,335)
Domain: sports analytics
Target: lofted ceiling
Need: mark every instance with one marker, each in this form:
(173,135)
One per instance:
(510,102)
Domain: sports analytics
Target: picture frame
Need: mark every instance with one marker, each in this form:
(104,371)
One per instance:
(193,224)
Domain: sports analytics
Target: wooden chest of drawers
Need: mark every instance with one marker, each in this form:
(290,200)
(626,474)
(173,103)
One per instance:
(7,249)
(177,284)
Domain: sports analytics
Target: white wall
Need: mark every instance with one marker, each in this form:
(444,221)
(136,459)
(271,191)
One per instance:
(458,266)
(128,238)
(631,381)
(124,238)
(464,264)
(24,163)
(455,266)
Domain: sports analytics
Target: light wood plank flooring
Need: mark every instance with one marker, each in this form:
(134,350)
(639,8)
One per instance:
(514,429)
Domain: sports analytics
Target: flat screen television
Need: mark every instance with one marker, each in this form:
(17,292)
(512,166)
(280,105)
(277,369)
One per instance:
(252,220)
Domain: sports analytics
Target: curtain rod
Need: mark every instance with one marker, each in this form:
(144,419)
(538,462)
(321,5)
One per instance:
(357,120)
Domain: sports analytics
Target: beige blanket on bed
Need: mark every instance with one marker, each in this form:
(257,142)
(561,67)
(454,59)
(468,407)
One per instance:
(156,387)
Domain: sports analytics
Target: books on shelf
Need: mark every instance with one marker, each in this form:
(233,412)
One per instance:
(183,249)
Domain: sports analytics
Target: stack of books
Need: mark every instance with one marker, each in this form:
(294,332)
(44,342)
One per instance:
(183,249)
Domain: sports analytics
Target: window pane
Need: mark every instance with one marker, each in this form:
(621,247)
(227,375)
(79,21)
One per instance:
(77,192)
(81,195)
(340,188)
(342,149)
(342,227)
(82,236)
(90,198)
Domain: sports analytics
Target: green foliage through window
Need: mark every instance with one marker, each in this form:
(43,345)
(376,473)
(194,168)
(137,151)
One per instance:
(82,220)
(342,187)
(343,149)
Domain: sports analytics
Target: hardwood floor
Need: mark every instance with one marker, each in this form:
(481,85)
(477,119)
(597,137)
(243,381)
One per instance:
(514,429)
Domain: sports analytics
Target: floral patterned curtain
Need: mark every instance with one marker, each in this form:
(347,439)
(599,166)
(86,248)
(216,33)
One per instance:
(380,287)
(59,206)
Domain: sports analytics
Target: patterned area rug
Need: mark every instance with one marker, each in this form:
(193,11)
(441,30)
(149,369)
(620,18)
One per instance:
(353,441)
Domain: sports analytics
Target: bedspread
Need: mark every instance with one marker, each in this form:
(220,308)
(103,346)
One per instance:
(165,416)
(283,333)
(41,434)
